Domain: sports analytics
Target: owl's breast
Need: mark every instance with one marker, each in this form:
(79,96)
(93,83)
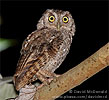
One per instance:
(63,49)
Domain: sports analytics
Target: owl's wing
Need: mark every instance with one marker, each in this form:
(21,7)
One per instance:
(35,45)
(32,47)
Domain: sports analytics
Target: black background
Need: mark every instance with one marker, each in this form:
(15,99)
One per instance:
(20,19)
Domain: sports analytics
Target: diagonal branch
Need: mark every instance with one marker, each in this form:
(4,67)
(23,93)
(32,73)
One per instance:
(75,76)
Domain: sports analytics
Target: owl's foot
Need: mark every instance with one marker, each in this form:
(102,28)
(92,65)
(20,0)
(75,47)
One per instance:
(51,78)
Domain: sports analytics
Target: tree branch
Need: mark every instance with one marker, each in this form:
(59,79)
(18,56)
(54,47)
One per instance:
(75,76)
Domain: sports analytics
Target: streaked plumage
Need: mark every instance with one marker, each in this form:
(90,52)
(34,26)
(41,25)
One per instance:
(45,49)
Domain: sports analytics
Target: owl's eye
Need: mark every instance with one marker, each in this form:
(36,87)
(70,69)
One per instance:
(51,19)
(65,19)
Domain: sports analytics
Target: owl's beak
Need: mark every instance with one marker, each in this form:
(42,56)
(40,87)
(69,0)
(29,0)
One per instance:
(58,26)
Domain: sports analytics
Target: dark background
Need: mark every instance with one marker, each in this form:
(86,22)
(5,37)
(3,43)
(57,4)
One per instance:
(91,19)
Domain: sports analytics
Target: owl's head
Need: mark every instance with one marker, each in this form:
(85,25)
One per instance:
(57,19)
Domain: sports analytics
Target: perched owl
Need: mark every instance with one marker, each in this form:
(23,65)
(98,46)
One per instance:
(45,49)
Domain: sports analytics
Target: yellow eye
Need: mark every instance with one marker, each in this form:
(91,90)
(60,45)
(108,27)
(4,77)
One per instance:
(65,19)
(51,19)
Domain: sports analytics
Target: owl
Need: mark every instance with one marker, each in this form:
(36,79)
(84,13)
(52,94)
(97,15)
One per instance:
(45,49)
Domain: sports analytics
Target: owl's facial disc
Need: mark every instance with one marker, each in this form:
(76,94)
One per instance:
(58,20)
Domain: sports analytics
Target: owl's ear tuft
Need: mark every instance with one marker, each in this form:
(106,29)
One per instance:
(49,10)
(40,24)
